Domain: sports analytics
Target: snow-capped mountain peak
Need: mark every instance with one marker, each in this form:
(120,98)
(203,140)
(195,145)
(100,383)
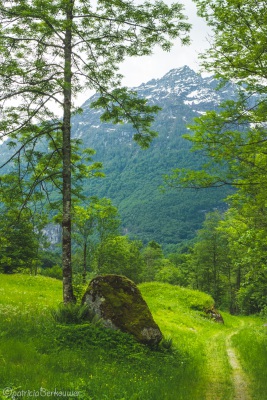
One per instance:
(181,90)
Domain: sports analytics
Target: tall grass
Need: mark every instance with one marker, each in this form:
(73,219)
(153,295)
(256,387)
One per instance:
(179,312)
(251,343)
(38,350)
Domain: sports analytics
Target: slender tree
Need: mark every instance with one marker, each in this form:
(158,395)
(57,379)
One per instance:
(51,49)
(209,258)
(92,225)
(119,255)
(152,255)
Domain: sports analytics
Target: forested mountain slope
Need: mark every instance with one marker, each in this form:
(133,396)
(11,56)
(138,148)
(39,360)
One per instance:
(133,175)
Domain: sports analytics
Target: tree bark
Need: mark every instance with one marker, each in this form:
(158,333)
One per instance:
(84,262)
(68,295)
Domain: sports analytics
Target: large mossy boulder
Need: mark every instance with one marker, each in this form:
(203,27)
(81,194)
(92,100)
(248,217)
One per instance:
(119,303)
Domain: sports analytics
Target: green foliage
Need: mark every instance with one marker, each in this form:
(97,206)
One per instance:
(227,261)
(73,314)
(181,261)
(152,255)
(253,292)
(134,110)
(209,258)
(79,287)
(233,138)
(119,255)
(49,258)
(20,227)
(52,272)
(253,338)
(92,225)
(245,225)
(237,50)
(169,274)
(18,244)
(175,270)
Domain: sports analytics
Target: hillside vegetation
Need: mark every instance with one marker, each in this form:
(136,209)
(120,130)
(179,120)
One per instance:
(92,363)
(134,176)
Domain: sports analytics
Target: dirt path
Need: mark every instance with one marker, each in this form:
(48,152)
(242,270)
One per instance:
(240,379)
(225,382)
(218,383)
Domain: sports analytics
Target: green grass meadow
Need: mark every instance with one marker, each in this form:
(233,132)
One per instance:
(40,358)
(251,343)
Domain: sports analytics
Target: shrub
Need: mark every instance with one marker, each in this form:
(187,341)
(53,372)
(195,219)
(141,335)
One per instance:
(53,272)
(169,274)
(74,314)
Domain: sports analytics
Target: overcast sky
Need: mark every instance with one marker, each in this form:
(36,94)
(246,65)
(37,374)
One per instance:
(142,69)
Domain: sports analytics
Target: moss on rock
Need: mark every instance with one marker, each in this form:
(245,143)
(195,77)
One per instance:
(118,301)
(214,315)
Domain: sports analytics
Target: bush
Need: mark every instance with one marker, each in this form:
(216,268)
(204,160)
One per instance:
(169,274)
(74,314)
(252,298)
(53,272)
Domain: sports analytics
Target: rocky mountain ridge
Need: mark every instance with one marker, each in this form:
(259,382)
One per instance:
(181,87)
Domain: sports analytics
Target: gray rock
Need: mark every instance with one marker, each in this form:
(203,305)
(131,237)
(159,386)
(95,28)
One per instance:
(214,315)
(119,303)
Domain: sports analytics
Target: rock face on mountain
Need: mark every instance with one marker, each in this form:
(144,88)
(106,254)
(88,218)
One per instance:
(119,303)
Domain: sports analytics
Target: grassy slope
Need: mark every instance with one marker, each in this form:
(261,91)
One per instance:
(251,343)
(102,364)
(203,339)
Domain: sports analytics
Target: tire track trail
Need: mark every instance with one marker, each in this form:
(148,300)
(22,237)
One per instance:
(219,386)
(233,384)
(240,379)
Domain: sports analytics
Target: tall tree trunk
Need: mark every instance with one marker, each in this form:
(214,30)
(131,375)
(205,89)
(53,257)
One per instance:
(84,262)
(68,295)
